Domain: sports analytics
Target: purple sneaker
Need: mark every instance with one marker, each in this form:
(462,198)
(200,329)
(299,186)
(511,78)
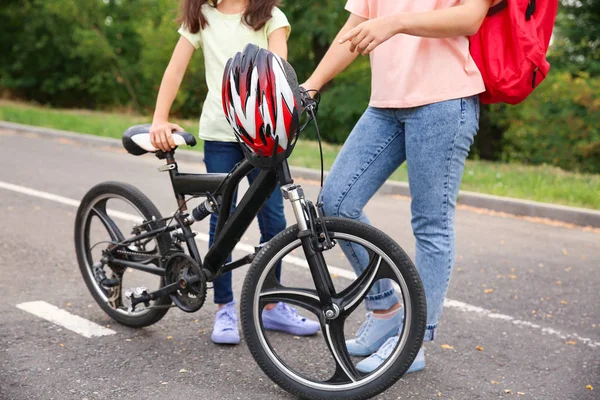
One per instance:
(286,319)
(226,329)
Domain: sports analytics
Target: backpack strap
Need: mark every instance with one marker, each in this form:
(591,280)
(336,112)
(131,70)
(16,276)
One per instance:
(496,8)
(530,10)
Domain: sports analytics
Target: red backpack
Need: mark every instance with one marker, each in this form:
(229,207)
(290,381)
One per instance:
(510,48)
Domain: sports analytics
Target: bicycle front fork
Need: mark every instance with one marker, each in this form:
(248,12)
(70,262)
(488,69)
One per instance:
(312,232)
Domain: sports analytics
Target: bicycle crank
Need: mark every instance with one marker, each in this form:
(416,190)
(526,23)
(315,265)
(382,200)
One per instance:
(185,283)
(183,271)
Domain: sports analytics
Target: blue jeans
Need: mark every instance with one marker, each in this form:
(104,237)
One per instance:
(434,139)
(221,157)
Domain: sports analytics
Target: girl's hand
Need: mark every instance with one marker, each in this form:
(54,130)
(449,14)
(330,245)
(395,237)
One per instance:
(309,85)
(161,135)
(370,34)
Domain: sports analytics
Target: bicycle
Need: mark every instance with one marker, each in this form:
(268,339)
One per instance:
(155,246)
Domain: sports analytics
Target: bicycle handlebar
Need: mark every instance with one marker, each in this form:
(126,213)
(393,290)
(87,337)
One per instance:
(307,101)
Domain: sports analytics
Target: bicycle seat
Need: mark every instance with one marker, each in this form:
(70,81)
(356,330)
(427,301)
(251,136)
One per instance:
(136,140)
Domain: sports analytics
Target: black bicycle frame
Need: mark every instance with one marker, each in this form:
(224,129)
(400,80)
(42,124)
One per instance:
(230,226)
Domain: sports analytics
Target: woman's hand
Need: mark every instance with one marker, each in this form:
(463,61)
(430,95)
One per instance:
(370,34)
(161,135)
(461,20)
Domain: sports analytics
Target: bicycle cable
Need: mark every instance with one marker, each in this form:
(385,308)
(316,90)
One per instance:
(320,149)
(171,219)
(312,107)
(102,242)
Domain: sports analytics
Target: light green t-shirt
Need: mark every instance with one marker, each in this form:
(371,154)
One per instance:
(224,36)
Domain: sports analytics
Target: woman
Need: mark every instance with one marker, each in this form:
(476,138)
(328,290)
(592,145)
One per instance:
(423,110)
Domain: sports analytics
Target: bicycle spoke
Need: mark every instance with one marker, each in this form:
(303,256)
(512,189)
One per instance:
(345,371)
(113,230)
(353,294)
(304,298)
(385,272)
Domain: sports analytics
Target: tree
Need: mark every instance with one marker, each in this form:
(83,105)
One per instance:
(558,125)
(577,37)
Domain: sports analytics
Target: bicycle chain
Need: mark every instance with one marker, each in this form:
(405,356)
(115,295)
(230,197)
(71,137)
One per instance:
(169,306)
(134,253)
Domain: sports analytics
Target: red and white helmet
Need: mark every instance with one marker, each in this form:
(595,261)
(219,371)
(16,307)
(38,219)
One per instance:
(261,101)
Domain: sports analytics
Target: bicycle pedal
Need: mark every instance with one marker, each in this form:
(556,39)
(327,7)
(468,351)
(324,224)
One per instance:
(140,291)
(134,294)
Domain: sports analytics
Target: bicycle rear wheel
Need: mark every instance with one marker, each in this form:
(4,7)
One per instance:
(321,367)
(106,216)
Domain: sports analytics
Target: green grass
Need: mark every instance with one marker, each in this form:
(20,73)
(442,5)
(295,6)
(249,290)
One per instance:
(540,183)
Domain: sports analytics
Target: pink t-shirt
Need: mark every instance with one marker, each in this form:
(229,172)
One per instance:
(409,71)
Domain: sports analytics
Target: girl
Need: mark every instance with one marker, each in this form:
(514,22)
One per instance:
(424,110)
(222,29)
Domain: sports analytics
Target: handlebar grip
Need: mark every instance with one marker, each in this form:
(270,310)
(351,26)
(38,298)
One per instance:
(306,99)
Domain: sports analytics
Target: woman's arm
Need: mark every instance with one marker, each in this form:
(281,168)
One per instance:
(336,59)
(161,135)
(278,42)
(462,20)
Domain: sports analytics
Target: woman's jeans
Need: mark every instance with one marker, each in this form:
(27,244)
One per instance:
(221,157)
(434,140)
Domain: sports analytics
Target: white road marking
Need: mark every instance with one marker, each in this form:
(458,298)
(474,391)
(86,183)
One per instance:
(135,218)
(343,273)
(297,261)
(65,319)
(39,194)
(468,308)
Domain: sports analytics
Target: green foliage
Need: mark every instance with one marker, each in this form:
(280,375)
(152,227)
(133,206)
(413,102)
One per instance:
(111,54)
(489,141)
(64,53)
(541,183)
(92,54)
(314,26)
(343,103)
(576,47)
(558,125)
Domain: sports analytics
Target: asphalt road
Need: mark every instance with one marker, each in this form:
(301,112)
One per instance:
(525,293)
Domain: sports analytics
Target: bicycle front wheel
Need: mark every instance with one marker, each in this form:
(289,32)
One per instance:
(321,367)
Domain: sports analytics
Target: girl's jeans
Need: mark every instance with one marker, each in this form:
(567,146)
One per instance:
(221,157)
(434,140)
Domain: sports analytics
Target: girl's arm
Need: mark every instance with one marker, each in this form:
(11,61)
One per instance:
(462,20)
(278,42)
(161,135)
(336,59)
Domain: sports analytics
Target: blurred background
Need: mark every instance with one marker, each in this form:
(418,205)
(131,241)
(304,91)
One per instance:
(62,57)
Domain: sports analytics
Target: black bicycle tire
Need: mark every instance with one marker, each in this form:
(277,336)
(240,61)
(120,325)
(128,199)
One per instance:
(149,211)
(418,305)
